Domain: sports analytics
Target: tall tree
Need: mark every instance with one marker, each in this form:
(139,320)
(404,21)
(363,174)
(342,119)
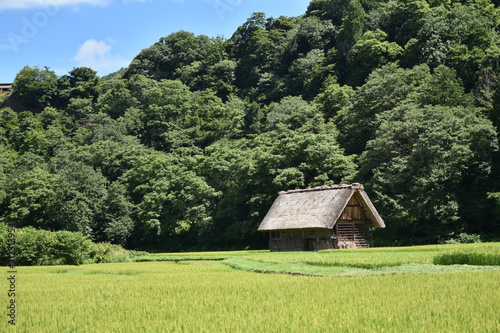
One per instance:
(422,163)
(170,200)
(35,87)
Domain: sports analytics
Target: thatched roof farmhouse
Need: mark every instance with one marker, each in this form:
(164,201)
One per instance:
(325,217)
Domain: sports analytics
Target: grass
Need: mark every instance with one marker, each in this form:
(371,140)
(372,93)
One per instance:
(313,270)
(187,256)
(374,257)
(212,297)
(286,268)
(468,258)
(231,295)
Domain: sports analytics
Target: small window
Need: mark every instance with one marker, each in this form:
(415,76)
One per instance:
(275,235)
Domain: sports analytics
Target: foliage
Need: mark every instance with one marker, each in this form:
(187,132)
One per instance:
(35,87)
(43,247)
(464,238)
(187,147)
(169,198)
(106,252)
(417,165)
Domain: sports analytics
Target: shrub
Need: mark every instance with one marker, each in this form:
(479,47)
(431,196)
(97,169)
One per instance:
(107,252)
(464,238)
(135,253)
(42,247)
(72,248)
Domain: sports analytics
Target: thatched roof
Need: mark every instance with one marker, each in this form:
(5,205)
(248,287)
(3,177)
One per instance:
(318,207)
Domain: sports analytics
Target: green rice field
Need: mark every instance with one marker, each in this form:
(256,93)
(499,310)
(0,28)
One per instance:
(373,290)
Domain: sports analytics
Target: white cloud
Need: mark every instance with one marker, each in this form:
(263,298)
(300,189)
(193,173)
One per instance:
(8,47)
(98,56)
(26,4)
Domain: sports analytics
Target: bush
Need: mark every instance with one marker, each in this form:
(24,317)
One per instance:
(42,247)
(464,238)
(72,248)
(135,253)
(468,258)
(107,252)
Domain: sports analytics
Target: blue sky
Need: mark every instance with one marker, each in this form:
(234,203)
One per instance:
(107,34)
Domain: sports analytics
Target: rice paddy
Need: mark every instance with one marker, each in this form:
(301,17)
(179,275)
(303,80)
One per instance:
(212,296)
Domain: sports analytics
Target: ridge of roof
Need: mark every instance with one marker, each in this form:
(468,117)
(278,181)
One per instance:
(353,186)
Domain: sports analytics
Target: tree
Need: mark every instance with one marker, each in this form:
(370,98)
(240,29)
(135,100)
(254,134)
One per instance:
(327,10)
(164,109)
(307,74)
(443,88)
(112,158)
(210,119)
(239,41)
(333,97)
(389,87)
(35,87)
(370,51)
(384,89)
(103,128)
(81,193)
(80,109)
(353,24)
(115,223)
(422,163)
(116,100)
(31,194)
(82,82)
(291,111)
(179,49)
(311,33)
(170,199)
(32,137)
(9,125)
(259,51)
(7,164)
(459,36)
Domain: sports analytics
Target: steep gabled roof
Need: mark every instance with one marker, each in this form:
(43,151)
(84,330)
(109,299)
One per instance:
(318,207)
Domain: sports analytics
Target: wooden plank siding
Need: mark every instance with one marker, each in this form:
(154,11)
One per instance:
(353,227)
(301,240)
(353,211)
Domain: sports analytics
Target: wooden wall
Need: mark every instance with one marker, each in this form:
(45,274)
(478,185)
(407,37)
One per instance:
(301,240)
(352,230)
(346,235)
(353,234)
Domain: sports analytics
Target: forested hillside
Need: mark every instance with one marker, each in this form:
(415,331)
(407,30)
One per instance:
(188,146)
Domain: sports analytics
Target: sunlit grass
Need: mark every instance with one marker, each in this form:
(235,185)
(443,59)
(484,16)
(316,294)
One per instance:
(216,255)
(373,257)
(211,297)
(491,258)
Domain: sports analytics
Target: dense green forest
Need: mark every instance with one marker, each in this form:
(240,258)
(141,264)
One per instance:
(187,147)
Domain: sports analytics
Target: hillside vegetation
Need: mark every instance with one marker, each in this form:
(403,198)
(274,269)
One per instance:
(187,147)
